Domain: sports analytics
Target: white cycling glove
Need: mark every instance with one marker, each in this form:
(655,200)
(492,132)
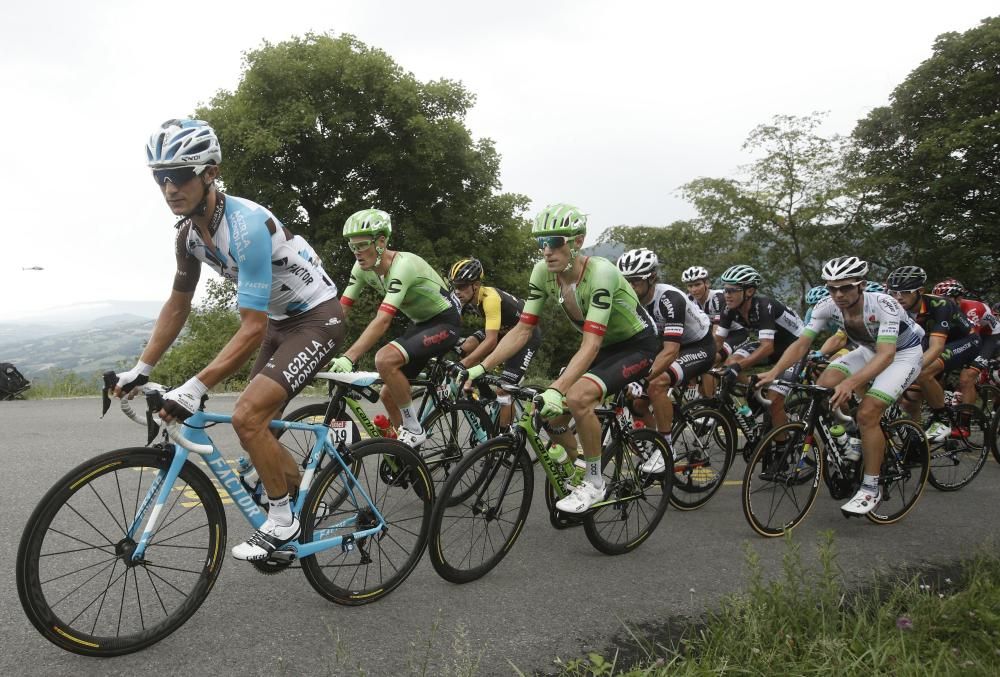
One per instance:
(635,390)
(183,401)
(134,377)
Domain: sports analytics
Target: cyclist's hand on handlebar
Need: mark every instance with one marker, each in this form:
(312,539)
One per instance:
(183,401)
(842,393)
(634,390)
(552,403)
(731,372)
(342,365)
(471,375)
(766,378)
(126,381)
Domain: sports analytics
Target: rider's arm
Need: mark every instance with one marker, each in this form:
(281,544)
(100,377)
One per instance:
(595,325)
(935,346)
(580,362)
(484,348)
(673,309)
(835,343)
(792,354)
(491,313)
(353,289)
(763,352)
(175,311)
(512,342)
(375,330)
(666,357)
(721,330)
(247,339)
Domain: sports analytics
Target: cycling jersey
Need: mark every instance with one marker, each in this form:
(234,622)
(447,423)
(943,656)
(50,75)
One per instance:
(410,286)
(600,302)
(715,306)
(770,319)
(500,310)
(677,316)
(940,316)
(982,319)
(274,270)
(882,320)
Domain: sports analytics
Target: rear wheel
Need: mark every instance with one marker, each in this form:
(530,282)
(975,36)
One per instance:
(904,470)
(471,531)
(76,578)
(635,501)
(781,480)
(390,481)
(454,429)
(704,444)
(956,461)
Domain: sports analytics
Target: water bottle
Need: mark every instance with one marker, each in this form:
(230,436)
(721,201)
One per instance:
(853,452)
(557,454)
(384,426)
(250,479)
(744,411)
(840,438)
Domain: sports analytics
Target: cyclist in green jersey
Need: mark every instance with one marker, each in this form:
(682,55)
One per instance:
(410,287)
(618,346)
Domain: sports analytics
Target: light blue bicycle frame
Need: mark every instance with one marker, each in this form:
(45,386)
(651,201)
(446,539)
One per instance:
(159,490)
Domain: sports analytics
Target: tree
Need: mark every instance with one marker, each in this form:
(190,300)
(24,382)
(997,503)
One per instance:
(932,161)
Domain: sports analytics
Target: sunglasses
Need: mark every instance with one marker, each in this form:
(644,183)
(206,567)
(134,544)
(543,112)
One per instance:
(361,246)
(461,286)
(841,288)
(900,292)
(636,280)
(552,241)
(732,290)
(177,175)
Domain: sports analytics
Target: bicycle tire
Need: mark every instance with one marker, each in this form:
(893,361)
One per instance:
(904,470)
(375,565)
(183,556)
(299,443)
(469,537)
(776,493)
(992,435)
(956,461)
(450,435)
(637,500)
(704,445)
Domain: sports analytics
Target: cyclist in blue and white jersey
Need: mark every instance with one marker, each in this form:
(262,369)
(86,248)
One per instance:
(888,354)
(287,304)
(688,345)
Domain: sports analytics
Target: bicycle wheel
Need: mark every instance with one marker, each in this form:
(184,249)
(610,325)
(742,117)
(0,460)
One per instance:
(993,435)
(904,470)
(300,442)
(956,461)
(469,536)
(452,431)
(781,480)
(989,399)
(635,501)
(76,579)
(396,481)
(704,443)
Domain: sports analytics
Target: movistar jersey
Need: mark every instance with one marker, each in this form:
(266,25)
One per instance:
(410,287)
(940,316)
(677,315)
(600,302)
(274,270)
(882,320)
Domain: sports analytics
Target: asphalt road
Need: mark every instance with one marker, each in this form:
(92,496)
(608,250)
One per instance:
(528,611)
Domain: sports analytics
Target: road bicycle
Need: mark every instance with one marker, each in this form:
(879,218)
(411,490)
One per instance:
(123,549)
(782,477)
(955,461)
(482,509)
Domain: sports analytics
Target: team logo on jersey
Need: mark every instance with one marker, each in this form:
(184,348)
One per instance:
(395,284)
(888,305)
(534,293)
(599,299)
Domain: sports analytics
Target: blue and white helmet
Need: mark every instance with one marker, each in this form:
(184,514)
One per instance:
(816,294)
(183,143)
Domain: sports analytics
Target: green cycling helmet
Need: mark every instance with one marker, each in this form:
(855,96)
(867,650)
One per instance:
(745,276)
(373,222)
(559,219)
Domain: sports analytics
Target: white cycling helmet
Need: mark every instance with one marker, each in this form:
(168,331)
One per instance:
(844,268)
(638,263)
(183,143)
(693,274)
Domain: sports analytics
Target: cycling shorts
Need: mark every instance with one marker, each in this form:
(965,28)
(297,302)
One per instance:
(894,379)
(960,352)
(295,348)
(617,365)
(750,345)
(694,360)
(732,341)
(424,340)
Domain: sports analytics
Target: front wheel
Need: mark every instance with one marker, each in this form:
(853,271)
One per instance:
(453,429)
(781,480)
(904,470)
(391,487)
(704,444)
(635,501)
(76,577)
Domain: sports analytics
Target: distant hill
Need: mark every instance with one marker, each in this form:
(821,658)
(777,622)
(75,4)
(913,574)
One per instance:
(608,250)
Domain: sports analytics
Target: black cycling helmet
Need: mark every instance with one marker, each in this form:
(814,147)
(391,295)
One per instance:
(466,271)
(907,278)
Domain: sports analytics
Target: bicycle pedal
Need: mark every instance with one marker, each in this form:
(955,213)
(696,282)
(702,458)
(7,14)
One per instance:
(283,556)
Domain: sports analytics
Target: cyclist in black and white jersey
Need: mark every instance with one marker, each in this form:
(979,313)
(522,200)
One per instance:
(775,326)
(688,346)
(887,354)
(713,302)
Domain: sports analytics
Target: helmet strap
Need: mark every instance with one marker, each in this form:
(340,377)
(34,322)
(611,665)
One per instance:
(202,206)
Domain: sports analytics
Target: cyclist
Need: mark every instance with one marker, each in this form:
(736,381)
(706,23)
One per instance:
(688,346)
(412,287)
(949,343)
(776,326)
(984,323)
(618,346)
(288,308)
(887,354)
(712,302)
(500,312)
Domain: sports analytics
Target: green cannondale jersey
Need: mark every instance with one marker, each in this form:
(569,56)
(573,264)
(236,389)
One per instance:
(601,302)
(411,287)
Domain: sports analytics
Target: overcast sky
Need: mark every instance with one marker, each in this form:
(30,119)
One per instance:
(608,105)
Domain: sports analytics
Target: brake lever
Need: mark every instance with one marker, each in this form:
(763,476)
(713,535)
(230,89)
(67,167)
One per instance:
(110,379)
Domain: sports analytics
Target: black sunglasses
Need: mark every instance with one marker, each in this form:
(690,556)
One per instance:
(732,290)
(841,288)
(552,241)
(177,175)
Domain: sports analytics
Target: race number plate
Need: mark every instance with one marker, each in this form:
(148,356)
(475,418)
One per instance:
(342,432)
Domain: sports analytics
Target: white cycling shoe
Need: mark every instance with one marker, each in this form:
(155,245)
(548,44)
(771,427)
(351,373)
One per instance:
(266,540)
(410,438)
(863,501)
(582,498)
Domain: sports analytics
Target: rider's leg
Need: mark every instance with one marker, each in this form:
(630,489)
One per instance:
(967,381)
(259,404)
(395,396)
(663,406)
(872,440)
(581,399)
